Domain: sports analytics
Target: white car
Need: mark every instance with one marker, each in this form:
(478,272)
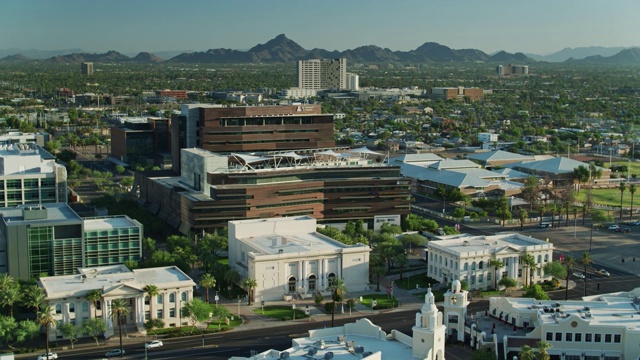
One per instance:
(52,356)
(613,227)
(578,274)
(603,272)
(153,344)
(114,352)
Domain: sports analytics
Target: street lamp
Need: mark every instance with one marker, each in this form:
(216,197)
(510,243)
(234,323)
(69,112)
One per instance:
(239,300)
(444,204)
(293,307)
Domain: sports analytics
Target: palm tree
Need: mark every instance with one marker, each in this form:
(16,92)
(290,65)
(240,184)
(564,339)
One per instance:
(622,188)
(46,318)
(207,281)
(632,190)
(33,297)
(586,260)
(529,262)
(526,353)
(250,284)
(119,307)
(152,291)
(338,288)
(94,295)
(542,350)
(10,295)
(568,262)
(231,277)
(377,268)
(543,209)
(497,264)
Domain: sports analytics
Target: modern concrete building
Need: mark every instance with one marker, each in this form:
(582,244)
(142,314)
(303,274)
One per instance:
(333,187)
(52,239)
(456,93)
(364,340)
(29,175)
(597,327)
(289,259)
(465,257)
(250,129)
(149,140)
(506,70)
(87,68)
(323,74)
(487,137)
(67,296)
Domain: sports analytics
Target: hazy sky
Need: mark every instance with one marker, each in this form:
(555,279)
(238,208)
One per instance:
(535,26)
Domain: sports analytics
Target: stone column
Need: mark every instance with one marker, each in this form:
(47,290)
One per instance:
(304,276)
(300,282)
(339,261)
(140,309)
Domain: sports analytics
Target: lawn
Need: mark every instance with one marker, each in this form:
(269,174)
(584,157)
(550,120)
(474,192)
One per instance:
(383,301)
(410,282)
(609,197)
(283,313)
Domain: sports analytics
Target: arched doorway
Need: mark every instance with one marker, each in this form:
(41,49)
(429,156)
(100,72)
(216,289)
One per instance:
(312,283)
(330,279)
(292,285)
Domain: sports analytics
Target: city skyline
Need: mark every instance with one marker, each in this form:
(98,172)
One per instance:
(541,27)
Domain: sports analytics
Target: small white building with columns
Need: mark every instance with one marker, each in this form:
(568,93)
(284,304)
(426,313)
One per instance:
(287,258)
(466,257)
(67,295)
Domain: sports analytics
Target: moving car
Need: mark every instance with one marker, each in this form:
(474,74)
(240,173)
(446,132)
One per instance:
(623,230)
(114,352)
(153,344)
(545,225)
(52,356)
(603,272)
(578,274)
(613,227)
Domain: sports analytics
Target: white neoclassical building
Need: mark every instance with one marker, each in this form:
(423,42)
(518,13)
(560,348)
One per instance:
(67,295)
(465,257)
(598,327)
(287,257)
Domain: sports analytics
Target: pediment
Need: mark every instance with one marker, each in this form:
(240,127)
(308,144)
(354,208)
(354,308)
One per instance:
(507,250)
(121,290)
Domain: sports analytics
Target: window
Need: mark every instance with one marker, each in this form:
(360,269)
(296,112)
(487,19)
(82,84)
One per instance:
(159,314)
(616,338)
(568,337)
(480,278)
(578,337)
(546,258)
(172,298)
(607,338)
(146,300)
(183,296)
(481,265)
(72,307)
(85,306)
(598,338)
(549,336)
(489,276)
(558,336)
(58,309)
(466,266)
(159,299)
(473,265)
(539,259)
(587,337)
(172,312)
(146,316)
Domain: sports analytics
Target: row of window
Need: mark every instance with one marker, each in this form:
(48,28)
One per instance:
(172,298)
(72,307)
(588,337)
(475,266)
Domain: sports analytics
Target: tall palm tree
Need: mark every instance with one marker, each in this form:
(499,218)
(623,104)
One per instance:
(542,350)
(33,297)
(231,277)
(46,318)
(586,260)
(338,288)
(10,295)
(568,262)
(250,284)
(207,281)
(543,209)
(94,295)
(526,353)
(622,188)
(119,308)
(632,190)
(497,264)
(152,291)
(529,262)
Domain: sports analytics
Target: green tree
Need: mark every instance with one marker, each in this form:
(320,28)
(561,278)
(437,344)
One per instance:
(508,283)
(69,331)
(33,297)
(94,296)
(483,354)
(526,353)
(46,318)
(232,277)
(153,324)
(119,308)
(522,216)
(219,314)
(535,291)
(542,350)
(377,268)
(94,328)
(338,288)
(556,269)
(529,263)
(585,261)
(503,213)
(496,264)
(119,169)
(250,285)
(151,291)
(207,281)
(401,260)
(582,174)
(10,294)
(622,189)
(13,332)
(531,190)
(196,310)
(632,190)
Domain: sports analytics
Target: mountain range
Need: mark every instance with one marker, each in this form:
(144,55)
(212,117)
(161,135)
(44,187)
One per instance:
(281,49)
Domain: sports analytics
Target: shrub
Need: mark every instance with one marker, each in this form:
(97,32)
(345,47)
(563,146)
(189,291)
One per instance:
(318,299)
(328,306)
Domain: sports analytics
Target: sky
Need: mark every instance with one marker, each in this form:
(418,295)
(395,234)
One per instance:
(535,26)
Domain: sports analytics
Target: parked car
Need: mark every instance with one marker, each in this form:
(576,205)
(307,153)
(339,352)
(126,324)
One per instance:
(545,225)
(153,344)
(613,227)
(52,356)
(578,275)
(603,272)
(114,352)
(634,223)
(623,230)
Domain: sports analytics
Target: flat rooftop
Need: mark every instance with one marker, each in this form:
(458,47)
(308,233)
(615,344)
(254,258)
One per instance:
(464,243)
(106,278)
(108,223)
(56,212)
(271,244)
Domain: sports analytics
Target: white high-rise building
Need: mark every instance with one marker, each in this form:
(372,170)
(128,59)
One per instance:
(322,74)
(353,81)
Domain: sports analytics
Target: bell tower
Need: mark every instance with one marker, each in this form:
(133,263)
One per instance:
(429,332)
(455,310)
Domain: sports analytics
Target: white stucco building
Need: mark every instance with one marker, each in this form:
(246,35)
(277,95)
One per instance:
(364,340)
(67,295)
(287,257)
(599,327)
(465,257)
